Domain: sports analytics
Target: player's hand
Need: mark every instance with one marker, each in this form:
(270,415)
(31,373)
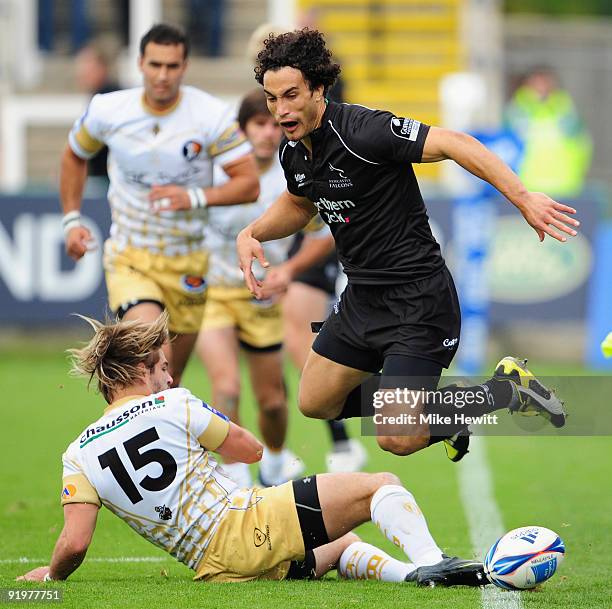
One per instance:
(169,198)
(545,215)
(276,281)
(35,575)
(250,249)
(79,241)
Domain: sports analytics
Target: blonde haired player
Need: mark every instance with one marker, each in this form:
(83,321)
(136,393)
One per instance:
(148,460)
(163,139)
(234,320)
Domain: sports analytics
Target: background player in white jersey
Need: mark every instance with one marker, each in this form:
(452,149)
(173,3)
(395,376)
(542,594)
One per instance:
(234,319)
(147,459)
(162,138)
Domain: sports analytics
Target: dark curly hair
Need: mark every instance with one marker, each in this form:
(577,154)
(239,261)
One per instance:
(303,50)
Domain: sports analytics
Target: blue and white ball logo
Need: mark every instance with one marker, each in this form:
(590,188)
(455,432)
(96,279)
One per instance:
(524,558)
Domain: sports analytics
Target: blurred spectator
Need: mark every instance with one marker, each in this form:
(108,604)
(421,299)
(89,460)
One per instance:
(558,148)
(80,29)
(94,67)
(205,26)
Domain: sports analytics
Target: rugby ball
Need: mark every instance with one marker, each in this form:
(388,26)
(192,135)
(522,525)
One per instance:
(524,558)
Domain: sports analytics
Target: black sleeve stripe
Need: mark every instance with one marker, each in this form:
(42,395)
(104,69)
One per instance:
(351,151)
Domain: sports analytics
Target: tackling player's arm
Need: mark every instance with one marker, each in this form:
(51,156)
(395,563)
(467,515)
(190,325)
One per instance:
(242,187)
(541,212)
(218,434)
(240,445)
(286,216)
(72,544)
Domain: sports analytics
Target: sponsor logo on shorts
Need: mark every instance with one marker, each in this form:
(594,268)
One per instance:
(450,342)
(69,491)
(192,150)
(259,537)
(165,513)
(193,283)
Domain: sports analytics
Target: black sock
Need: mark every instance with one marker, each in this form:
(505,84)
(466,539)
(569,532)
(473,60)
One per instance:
(499,394)
(337,429)
(501,390)
(353,406)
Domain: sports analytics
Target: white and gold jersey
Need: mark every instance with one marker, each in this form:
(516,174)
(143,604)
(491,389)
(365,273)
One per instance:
(225,222)
(145,460)
(147,148)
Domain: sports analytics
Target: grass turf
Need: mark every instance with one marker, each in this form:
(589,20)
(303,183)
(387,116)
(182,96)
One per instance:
(562,483)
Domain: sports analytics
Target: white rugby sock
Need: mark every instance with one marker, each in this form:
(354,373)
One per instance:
(239,473)
(363,561)
(395,512)
(271,466)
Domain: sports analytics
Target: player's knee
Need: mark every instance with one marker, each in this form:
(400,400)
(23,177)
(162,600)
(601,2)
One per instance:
(311,407)
(273,409)
(402,445)
(227,391)
(271,397)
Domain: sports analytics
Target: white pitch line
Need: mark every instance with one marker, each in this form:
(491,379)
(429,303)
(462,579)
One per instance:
(24,559)
(483,517)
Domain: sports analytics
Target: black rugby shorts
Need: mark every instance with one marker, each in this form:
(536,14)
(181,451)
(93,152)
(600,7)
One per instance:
(419,319)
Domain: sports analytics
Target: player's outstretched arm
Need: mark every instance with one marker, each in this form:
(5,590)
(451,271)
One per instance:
(73,174)
(545,215)
(287,215)
(72,544)
(241,445)
(242,187)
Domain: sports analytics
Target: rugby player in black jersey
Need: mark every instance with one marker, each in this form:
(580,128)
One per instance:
(400,312)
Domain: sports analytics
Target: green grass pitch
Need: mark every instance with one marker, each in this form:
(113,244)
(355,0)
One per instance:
(560,483)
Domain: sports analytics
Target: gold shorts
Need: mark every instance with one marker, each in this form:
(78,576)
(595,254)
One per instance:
(177,282)
(257,540)
(259,323)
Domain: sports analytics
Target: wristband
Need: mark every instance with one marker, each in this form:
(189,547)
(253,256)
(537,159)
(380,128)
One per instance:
(70,221)
(197,198)
(48,578)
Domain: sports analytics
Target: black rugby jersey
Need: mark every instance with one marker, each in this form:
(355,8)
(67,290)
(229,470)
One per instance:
(361,180)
